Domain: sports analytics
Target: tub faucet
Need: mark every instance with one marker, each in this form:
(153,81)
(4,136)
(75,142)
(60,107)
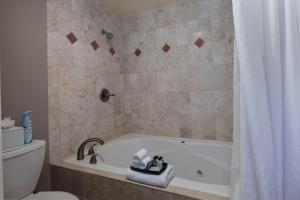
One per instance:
(80,152)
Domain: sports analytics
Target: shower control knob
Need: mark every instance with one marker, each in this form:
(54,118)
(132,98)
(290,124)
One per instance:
(105,95)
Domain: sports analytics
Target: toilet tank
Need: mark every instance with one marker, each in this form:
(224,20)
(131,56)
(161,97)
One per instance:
(22,168)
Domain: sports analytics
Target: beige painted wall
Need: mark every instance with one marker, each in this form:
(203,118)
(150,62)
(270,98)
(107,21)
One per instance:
(1,164)
(24,67)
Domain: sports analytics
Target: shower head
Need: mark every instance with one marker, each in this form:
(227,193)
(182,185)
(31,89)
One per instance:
(108,35)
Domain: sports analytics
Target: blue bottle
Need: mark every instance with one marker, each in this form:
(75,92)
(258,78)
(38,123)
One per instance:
(27,124)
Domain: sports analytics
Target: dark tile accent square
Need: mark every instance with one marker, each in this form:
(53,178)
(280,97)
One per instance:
(138,52)
(95,45)
(166,48)
(112,51)
(72,37)
(199,42)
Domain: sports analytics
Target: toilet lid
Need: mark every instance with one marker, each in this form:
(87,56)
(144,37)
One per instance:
(52,196)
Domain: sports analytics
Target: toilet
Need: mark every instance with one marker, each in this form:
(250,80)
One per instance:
(21,170)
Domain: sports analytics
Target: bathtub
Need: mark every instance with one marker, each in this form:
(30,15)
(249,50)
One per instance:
(200,165)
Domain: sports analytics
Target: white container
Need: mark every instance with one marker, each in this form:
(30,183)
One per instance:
(12,139)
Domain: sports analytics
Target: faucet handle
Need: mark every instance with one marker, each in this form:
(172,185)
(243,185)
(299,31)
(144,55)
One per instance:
(93,159)
(91,150)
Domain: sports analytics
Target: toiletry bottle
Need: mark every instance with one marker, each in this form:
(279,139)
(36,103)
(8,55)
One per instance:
(160,162)
(27,124)
(153,163)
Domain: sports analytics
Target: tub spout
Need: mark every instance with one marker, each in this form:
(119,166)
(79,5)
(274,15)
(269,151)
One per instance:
(80,152)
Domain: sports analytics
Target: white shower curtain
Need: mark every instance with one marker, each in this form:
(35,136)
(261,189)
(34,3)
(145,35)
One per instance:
(266,149)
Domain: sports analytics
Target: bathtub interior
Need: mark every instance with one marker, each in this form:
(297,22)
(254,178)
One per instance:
(201,161)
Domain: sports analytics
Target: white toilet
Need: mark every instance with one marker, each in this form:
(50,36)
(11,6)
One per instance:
(21,170)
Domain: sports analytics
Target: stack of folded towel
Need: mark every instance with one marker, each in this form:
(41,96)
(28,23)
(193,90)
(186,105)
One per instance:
(142,161)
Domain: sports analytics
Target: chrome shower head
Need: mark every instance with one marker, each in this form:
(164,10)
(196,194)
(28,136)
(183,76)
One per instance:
(108,35)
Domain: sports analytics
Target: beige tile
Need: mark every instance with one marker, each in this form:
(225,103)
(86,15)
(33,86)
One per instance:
(71,81)
(219,52)
(54,112)
(211,102)
(90,78)
(210,78)
(186,92)
(224,127)
(218,28)
(53,80)
(178,103)
(64,18)
(177,80)
(204,126)
(202,56)
(54,145)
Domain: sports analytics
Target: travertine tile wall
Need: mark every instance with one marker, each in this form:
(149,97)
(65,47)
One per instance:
(186,92)
(77,73)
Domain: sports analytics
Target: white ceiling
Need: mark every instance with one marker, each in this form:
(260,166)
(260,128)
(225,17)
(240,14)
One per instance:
(129,6)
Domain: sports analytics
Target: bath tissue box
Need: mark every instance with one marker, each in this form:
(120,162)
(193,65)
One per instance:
(12,138)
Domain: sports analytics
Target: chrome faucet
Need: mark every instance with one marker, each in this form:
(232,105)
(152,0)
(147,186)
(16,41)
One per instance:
(80,152)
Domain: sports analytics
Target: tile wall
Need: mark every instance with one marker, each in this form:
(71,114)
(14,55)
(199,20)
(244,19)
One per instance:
(77,71)
(171,68)
(179,86)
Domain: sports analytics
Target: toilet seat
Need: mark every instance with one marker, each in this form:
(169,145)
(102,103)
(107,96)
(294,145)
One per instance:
(51,196)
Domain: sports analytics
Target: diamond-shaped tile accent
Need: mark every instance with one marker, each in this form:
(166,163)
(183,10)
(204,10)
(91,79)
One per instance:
(166,48)
(95,45)
(199,42)
(138,52)
(72,37)
(112,51)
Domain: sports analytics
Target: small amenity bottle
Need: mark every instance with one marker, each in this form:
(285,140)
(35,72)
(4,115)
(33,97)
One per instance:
(27,124)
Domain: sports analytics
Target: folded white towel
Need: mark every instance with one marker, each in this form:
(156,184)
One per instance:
(139,156)
(141,164)
(144,163)
(162,180)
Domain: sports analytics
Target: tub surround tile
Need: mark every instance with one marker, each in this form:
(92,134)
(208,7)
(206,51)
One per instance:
(88,183)
(72,38)
(166,48)
(75,71)
(199,42)
(54,111)
(53,80)
(192,82)
(54,144)
(170,67)
(224,127)
(186,132)
(59,49)
(137,52)
(203,126)
(95,45)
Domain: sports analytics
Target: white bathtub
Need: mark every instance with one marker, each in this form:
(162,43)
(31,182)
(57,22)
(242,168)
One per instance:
(188,156)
